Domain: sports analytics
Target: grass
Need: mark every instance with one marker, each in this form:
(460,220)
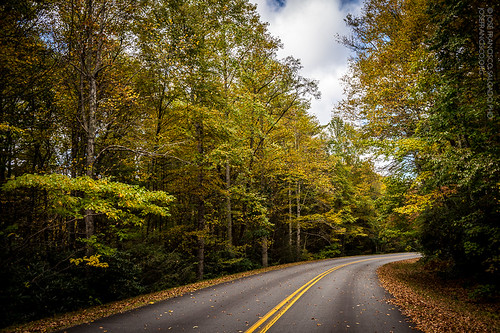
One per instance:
(436,304)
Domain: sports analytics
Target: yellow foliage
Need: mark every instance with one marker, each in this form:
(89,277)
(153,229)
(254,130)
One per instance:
(93,261)
(417,203)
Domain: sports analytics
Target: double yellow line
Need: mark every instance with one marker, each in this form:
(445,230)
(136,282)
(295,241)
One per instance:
(279,310)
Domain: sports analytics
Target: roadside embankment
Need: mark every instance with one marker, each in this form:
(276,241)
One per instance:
(435,304)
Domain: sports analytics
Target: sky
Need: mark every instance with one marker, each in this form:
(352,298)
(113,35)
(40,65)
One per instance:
(308,30)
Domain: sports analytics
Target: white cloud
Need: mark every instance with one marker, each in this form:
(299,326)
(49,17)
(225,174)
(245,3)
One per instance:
(308,30)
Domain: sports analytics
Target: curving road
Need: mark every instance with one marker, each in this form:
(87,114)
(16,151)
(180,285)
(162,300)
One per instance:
(335,295)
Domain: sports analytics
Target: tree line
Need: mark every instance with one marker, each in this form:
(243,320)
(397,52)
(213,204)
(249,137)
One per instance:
(424,88)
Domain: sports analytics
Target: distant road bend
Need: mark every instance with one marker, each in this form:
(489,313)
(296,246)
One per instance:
(335,295)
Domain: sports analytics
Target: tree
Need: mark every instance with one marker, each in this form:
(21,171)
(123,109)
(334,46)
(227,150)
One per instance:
(90,36)
(418,89)
(27,101)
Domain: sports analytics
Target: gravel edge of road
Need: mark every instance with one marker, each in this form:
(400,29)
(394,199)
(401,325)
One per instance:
(439,311)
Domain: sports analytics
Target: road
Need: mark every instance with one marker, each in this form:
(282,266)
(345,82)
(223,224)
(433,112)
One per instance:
(335,295)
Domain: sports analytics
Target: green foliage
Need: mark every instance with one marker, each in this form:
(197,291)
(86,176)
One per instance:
(224,261)
(162,267)
(39,287)
(484,293)
(330,251)
(118,281)
(418,89)
(70,197)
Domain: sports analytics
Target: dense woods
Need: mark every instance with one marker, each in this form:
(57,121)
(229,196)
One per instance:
(148,144)
(423,85)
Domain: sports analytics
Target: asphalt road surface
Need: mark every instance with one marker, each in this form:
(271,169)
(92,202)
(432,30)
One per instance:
(336,295)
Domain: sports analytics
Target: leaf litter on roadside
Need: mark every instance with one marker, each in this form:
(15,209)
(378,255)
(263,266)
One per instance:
(435,305)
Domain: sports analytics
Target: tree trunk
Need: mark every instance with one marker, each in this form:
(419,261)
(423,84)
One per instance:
(298,249)
(201,205)
(90,150)
(290,227)
(264,252)
(91,126)
(91,65)
(201,235)
(201,258)
(228,206)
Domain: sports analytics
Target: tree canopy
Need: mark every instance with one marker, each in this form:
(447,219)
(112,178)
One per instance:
(425,98)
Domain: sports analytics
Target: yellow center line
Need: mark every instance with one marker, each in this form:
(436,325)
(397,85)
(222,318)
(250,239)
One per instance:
(280,309)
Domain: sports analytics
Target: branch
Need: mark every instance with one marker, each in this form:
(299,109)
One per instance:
(274,124)
(26,241)
(139,152)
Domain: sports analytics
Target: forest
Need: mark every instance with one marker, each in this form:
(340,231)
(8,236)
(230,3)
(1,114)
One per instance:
(146,144)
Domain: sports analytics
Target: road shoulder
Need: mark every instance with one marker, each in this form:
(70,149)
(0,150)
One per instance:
(434,304)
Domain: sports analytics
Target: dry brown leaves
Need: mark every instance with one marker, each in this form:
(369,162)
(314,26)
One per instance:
(433,304)
(91,314)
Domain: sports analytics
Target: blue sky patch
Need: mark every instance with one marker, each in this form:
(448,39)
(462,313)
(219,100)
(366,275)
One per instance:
(276,4)
(348,2)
